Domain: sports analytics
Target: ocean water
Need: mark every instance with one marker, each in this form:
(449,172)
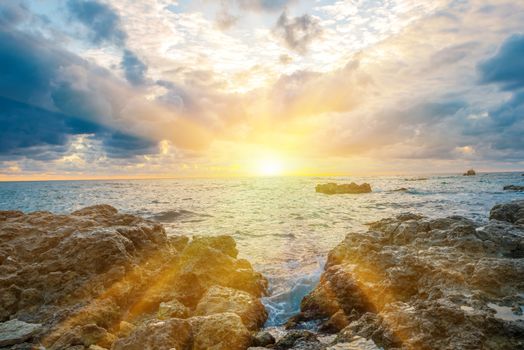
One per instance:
(280,224)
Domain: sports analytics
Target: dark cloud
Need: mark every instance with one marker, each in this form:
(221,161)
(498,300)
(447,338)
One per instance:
(297,32)
(47,95)
(506,67)
(133,67)
(101,20)
(12,13)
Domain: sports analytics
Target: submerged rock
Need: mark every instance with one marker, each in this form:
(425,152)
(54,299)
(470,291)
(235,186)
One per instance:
(514,188)
(98,278)
(333,188)
(412,282)
(470,172)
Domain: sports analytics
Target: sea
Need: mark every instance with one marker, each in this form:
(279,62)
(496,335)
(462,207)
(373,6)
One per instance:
(281,225)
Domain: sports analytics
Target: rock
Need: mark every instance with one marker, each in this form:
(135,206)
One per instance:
(86,335)
(172,309)
(336,322)
(263,339)
(333,188)
(356,343)
(470,172)
(158,335)
(512,212)
(412,282)
(15,332)
(222,299)
(401,189)
(97,275)
(298,339)
(514,188)
(219,332)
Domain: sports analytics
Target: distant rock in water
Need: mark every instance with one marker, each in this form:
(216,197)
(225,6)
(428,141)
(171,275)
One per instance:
(402,189)
(176,215)
(413,282)
(417,179)
(333,188)
(470,172)
(98,279)
(514,188)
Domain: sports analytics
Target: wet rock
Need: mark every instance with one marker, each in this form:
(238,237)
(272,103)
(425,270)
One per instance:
(15,332)
(333,188)
(470,172)
(222,299)
(412,282)
(100,278)
(262,339)
(514,188)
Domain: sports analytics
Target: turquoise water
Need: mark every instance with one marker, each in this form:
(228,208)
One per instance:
(280,224)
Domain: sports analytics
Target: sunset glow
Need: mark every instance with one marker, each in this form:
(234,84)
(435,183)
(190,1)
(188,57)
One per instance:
(189,88)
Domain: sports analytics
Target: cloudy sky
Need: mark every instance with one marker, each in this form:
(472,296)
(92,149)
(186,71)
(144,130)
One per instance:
(128,88)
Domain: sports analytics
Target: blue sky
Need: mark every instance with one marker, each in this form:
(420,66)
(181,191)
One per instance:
(93,88)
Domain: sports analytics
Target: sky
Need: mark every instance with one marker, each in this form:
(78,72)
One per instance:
(205,88)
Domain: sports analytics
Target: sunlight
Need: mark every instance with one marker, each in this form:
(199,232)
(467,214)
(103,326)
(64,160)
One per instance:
(270,167)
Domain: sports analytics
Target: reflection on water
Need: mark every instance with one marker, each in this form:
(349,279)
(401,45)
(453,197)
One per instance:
(280,224)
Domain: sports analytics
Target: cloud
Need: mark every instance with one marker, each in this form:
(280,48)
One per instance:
(101,20)
(134,68)
(49,94)
(297,33)
(12,12)
(506,67)
(261,5)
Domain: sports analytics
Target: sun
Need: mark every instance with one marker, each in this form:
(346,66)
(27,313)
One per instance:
(270,167)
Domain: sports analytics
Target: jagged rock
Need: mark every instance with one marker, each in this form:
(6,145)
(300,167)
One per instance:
(158,335)
(514,188)
(333,188)
(412,282)
(15,332)
(298,339)
(219,332)
(97,275)
(470,172)
(173,309)
(86,335)
(222,299)
(512,212)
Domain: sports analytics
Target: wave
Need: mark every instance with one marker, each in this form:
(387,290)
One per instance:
(285,302)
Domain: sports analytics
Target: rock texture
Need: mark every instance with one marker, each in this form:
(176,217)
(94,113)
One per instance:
(14,332)
(412,282)
(333,188)
(470,172)
(98,279)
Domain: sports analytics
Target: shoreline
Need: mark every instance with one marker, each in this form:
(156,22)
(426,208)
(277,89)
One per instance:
(95,260)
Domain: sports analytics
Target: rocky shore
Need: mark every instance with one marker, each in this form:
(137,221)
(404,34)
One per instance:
(416,283)
(97,279)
